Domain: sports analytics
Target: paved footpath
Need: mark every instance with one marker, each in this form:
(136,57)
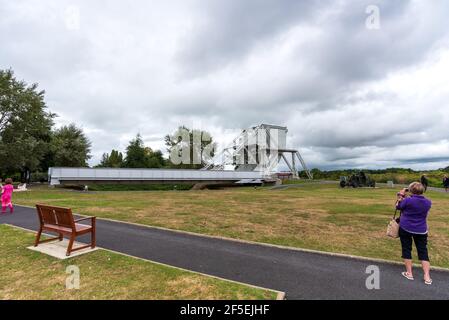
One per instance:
(301,275)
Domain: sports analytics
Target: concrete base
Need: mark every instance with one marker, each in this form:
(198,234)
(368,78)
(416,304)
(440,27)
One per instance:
(58,249)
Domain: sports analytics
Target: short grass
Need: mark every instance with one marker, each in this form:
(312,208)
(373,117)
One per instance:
(26,274)
(320,217)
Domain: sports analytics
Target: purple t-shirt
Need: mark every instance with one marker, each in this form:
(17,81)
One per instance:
(414,211)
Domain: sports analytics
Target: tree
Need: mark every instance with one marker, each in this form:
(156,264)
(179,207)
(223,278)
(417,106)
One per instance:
(155,158)
(317,173)
(198,145)
(70,147)
(112,160)
(25,125)
(139,156)
(135,154)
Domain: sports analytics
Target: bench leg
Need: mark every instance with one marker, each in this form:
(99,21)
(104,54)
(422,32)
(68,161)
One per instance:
(69,248)
(61,237)
(38,237)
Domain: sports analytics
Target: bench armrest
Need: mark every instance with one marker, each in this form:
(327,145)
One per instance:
(86,218)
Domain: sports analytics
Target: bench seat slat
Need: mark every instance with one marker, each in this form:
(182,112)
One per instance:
(79,228)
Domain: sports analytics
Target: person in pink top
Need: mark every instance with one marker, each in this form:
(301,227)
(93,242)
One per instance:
(7,191)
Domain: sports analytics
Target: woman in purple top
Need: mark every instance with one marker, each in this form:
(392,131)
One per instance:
(413,228)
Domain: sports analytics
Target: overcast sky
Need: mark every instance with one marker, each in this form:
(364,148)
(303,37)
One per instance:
(352,92)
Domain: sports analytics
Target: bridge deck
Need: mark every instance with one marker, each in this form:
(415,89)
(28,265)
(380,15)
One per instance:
(119,175)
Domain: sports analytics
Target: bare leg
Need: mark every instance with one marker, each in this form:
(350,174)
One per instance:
(408,267)
(426,269)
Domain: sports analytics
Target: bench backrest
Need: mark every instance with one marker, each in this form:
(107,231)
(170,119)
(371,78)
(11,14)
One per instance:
(58,216)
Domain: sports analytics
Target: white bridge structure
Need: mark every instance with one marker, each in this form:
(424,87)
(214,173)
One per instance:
(260,148)
(85,176)
(251,158)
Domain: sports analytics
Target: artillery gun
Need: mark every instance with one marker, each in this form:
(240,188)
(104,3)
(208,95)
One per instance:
(357,180)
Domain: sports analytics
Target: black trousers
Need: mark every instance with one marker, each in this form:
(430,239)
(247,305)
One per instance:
(407,240)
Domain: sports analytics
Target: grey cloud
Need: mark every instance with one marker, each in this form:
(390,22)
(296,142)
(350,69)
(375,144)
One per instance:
(351,52)
(340,59)
(227,30)
(311,65)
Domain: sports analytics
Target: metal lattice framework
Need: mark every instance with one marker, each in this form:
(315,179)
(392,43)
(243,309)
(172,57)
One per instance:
(260,148)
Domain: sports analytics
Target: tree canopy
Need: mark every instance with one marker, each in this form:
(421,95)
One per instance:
(25,125)
(70,147)
(139,156)
(112,160)
(188,148)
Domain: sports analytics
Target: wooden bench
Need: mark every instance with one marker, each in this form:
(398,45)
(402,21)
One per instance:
(61,221)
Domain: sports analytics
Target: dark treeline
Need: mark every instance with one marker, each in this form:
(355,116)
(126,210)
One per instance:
(137,155)
(336,174)
(397,175)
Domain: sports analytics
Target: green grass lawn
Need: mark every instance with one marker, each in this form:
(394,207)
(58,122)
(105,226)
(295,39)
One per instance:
(320,217)
(26,274)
